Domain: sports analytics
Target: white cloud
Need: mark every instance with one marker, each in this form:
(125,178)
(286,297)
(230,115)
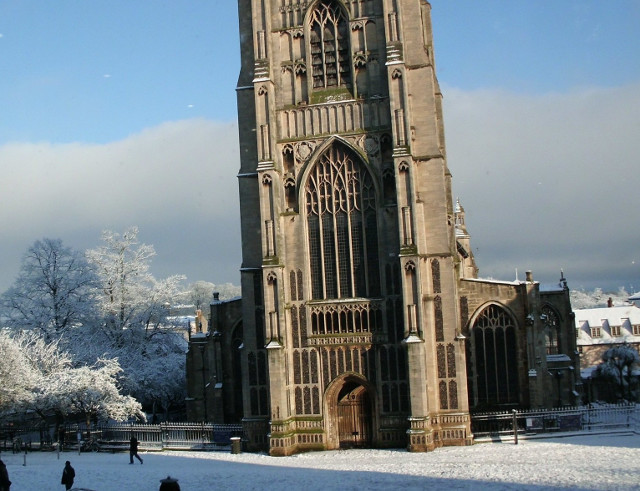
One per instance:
(549,181)
(176,182)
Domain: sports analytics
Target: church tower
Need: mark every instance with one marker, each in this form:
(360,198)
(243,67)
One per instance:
(350,264)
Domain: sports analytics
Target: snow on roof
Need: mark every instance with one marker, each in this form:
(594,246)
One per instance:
(551,287)
(557,358)
(547,287)
(491,280)
(587,372)
(614,316)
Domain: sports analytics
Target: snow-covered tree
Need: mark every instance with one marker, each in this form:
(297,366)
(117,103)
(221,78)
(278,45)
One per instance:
(582,299)
(53,291)
(228,291)
(93,392)
(158,379)
(130,296)
(617,366)
(45,361)
(153,366)
(38,376)
(83,314)
(17,377)
(200,293)
(136,328)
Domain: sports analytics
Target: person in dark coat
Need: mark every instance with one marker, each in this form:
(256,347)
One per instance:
(133,450)
(68,475)
(169,484)
(5,484)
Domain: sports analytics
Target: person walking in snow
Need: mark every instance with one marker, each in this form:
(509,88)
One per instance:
(133,450)
(5,484)
(68,475)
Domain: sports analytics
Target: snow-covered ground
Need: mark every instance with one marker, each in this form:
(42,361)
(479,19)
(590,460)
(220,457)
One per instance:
(604,462)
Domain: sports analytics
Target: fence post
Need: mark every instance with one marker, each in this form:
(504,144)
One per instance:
(515,427)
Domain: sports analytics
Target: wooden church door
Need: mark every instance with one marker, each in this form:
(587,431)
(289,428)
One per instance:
(354,417)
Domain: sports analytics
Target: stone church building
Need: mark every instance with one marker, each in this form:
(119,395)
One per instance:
(362,321)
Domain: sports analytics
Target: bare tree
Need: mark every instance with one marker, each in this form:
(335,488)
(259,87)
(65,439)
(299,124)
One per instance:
(53,291)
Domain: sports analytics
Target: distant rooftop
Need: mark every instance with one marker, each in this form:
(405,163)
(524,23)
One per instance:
(614,316)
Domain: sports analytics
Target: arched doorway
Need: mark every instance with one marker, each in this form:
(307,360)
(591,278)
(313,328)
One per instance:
(351,412)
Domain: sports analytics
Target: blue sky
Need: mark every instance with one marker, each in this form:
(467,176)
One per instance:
(97,71)
(536,46)
(120,112)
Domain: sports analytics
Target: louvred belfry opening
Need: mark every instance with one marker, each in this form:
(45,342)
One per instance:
(329,46)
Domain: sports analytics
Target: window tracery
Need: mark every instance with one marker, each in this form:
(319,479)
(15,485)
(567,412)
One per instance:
(551,323)
(342,227)
(494,374)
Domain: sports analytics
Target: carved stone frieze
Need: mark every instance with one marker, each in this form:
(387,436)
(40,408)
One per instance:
(300,66)
(360,338)
(359,59)
(371,145)
(304,150)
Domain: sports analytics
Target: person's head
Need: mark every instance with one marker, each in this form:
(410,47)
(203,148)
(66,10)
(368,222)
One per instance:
(67,463)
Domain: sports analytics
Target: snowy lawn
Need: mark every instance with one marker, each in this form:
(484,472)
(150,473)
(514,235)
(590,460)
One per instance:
(605,462)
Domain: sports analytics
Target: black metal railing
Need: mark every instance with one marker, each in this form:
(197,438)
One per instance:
(116,436)
(578,418)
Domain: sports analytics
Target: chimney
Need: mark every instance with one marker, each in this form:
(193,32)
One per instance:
(610,302)
(529,277)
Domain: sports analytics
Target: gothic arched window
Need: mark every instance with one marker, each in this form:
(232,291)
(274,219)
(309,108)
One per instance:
(342,226)
(329,45)
(551,323)
(494,366)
